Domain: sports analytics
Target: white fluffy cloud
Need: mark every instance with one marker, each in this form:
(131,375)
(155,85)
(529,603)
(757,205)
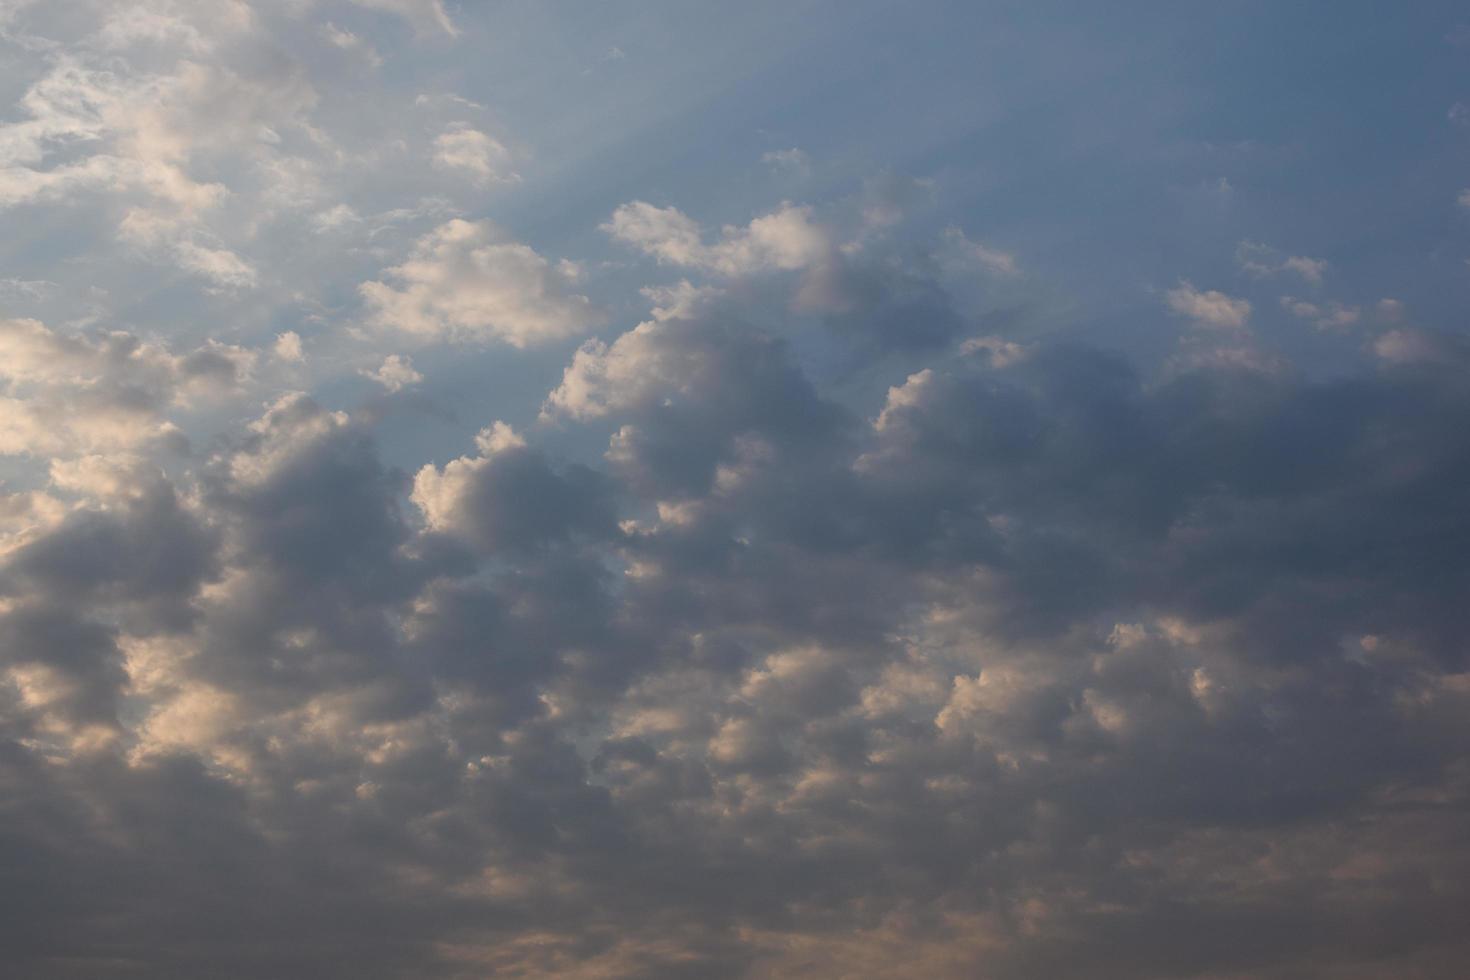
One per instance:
(149,116)
(788,238)
(66,394)
(288,347)
(467,282)
(441,495)
(395,373)
(483,158)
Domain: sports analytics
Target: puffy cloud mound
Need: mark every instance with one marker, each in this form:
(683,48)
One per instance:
(784,239)
(66,394)
(508,497)
(466,282)
(1209,308)
(1044,652)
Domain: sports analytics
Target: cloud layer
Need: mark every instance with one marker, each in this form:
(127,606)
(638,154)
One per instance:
(422,556)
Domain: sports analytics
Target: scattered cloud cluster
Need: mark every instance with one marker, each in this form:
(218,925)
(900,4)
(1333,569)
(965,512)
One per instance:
(792,160)
(1333,316)
(787,238)
(1039,607)
(1263,261)
(65,394)
(409,603)
(156,115)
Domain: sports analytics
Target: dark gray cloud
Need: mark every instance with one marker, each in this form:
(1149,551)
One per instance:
(1052,665)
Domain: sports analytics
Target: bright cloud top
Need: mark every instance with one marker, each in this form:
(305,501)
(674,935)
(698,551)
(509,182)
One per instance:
(465,282)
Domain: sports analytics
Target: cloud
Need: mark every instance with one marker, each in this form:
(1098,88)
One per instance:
(1311,270)
(790,161)
(484,158)
(288,347)
(1390,310)
(1408,345)
(69,394)
(508,497)
(960,251)
(1210,308)
(764,631)
(395,373)
(162,122)
(220,266)
(466,282)
(887,200)
(1001,352)
(871,608)
(348,41)
(1264,261)
(849,279)
(1334,316)
(427,16)
(787,239)
(697,400)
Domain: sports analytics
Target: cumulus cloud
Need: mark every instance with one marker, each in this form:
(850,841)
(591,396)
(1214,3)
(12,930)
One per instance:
(700,401)
(142,121)
(914,634)
(467,282)
(1264,261)
(1208,308)
(1309,269)
(1041,589)
(1410,345)
(962,252)
(288,347)
(1333,316)
(66,394)
(484,158)
(164,146)
(509,497)
(842,273)
(787,238)
(395,373)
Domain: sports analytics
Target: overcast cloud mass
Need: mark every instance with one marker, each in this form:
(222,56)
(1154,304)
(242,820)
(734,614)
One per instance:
(779,489)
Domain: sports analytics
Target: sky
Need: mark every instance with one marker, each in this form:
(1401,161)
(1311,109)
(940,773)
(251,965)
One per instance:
(832,489)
